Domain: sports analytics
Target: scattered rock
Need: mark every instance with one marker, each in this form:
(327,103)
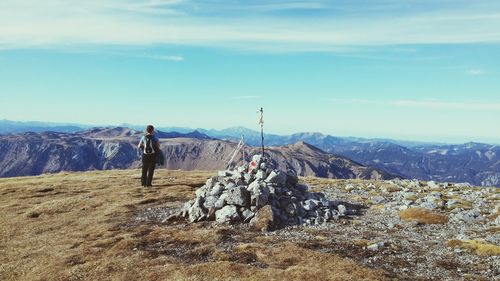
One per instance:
(228,214)
(264,219)
(238,196)
(378,200)
(467,216)
(376,246)
(342,210)
(432,184)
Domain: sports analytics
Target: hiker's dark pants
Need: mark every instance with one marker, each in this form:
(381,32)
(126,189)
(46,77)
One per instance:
(148,169)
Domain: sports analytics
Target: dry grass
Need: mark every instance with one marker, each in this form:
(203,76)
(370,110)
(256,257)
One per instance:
(391,188)
(81,226)
(423,216)
(477,246)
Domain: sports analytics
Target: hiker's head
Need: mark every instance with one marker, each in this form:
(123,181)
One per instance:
(150,129)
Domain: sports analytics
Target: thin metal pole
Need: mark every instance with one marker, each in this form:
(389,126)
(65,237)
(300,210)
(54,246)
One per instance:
(262,128)
(243,150)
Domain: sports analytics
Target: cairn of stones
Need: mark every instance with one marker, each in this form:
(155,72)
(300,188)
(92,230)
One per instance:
(258,194)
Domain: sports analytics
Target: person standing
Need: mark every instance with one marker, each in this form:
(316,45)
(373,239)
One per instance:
(150,146)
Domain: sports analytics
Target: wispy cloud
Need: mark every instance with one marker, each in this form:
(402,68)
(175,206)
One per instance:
(424,103)
(57,23)
(149,56)
(475,72)
(293,5)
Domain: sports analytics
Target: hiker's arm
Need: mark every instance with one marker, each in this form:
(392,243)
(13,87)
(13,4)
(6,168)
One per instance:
(157,145)
(140,144)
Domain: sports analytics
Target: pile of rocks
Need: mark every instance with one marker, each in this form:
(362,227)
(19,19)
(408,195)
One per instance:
(258,194)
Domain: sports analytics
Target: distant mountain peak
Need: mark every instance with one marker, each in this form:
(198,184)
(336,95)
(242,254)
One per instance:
(304,147)
(109,132)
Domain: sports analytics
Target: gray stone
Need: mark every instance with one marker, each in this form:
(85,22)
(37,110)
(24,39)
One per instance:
(328,215)
(278,178)
(292,179)
(409,195)
(432,184)
(220,202)
(291,209)
(435,194)
(335,215)
(319,220)
(319,213)
(238,196)
(302,188)
(264,219)
(196,212)
(210,202)
(228,214)
(260,175)
(202,191)
(216,190)
(456,210)
(452,203)
(257,158)
(260,196)
(342,210)
(247,215)
(376,246)
(255,185)
(211,214)
(378,200)
(247,178)
(326,203)
(407,203)
(432,205)
(225,173)
(210,182)
(309,205)
(468,216)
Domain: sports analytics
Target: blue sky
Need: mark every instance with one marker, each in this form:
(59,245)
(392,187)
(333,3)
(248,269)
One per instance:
(418,70)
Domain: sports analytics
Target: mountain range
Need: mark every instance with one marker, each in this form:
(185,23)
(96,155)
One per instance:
(109,148)
(475,163)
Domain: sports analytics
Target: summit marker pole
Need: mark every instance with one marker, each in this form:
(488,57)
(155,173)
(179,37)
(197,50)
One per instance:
(261,122)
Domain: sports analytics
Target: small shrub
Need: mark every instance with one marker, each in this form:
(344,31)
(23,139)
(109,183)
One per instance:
(479,247)
(424,216)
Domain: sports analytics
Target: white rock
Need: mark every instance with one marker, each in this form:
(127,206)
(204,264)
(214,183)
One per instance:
(342,210)
(376,246)
(228,214)
(260,175)
(238,196)
(309,204)
(432,184)
(278,178)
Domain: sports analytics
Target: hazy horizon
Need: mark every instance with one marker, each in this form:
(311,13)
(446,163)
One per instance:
(256,128)
(419,70)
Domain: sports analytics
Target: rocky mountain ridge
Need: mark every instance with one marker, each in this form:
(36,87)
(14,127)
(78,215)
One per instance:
(115,148)
(475,163)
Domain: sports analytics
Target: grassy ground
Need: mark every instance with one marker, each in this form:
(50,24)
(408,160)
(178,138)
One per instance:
(83,226)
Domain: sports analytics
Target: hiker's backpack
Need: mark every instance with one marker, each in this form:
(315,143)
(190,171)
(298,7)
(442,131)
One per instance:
(149,147)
